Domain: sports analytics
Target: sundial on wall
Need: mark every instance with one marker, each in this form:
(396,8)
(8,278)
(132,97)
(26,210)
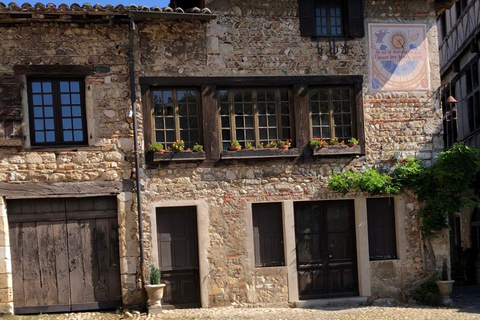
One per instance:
(398,57)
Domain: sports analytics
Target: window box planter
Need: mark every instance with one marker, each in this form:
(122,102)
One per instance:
(337,150)
(179,156)
(260,153)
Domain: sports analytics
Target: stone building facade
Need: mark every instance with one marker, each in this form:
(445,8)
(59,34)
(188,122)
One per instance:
(203,214)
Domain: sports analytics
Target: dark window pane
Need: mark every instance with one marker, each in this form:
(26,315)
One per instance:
(225,122)
(37,99)
(66,112)
(250,135)
(169,123)
(38,112)
(75,98)
(193,122)
(78,135)
(67,124)
(183,122)
(74,86)
(65,98)
(67,136)
(226,135)
(64,86)
(48,112)
(158,123)
(170,136)
(49,124)
(46,87)
(77,123)
(39,136)
(47,99)
(36,87)
(50,136)
(39,124)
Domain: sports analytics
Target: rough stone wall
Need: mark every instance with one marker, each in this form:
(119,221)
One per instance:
(262,38)
(248,38)
(109,154)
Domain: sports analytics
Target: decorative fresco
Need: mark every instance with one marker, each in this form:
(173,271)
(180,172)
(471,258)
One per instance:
(398,57)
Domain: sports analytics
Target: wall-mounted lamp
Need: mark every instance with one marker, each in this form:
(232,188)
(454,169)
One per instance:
(450,100)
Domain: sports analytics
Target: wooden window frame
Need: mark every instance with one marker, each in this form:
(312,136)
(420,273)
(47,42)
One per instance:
(210,112)
(389,236)
(256,126)
(352,19)
(176,114)
(472,95)
(57,111)
(353,112)
(260,217)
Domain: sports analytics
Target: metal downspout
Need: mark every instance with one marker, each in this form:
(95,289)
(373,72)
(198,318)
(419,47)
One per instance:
(135,143)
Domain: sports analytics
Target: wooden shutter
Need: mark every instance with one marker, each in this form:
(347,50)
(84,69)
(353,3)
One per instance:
(381,229)
(306,14)
(10,110)
(356,28)
(268,234)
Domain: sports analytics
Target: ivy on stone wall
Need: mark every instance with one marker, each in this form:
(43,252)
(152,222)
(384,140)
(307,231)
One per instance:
(444,188)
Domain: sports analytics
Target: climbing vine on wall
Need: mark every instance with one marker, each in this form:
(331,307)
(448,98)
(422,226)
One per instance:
(444,188)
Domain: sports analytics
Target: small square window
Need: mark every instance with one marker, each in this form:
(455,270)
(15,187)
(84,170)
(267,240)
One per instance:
(57,111)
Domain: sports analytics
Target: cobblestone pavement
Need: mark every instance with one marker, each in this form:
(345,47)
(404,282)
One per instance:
(466,306)
(367,313)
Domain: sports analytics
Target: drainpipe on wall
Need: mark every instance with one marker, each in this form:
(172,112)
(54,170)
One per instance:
(131,63)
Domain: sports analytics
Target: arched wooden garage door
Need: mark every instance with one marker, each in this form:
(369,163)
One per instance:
(64,254)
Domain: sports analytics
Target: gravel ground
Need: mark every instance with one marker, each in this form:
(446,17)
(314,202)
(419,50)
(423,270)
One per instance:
(367,313)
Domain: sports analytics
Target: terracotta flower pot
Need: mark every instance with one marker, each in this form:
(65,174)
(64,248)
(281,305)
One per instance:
(155,294)
(160,151)
(284,147)
(235,148)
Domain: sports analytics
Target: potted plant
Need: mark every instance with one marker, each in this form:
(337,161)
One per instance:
(155,288)
(156,147)
(178,145)
(235,146)
(197,148)
(335,143)
(248,145)
(352,142)
(284,144)
(445,286)
(271,145)
(316,142)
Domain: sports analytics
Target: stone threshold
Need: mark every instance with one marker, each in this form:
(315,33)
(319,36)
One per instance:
(333,302)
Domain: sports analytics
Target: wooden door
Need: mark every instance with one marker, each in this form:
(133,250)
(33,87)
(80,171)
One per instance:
(64,254)
(326,252)
(178,255)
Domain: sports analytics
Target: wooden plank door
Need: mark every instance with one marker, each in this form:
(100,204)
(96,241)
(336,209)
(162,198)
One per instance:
(178,255)
(326,252)
(64,254)
(93,253)
(38,238)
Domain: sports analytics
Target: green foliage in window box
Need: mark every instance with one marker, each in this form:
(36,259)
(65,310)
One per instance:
(155,147)
(444,188)
(197,147)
